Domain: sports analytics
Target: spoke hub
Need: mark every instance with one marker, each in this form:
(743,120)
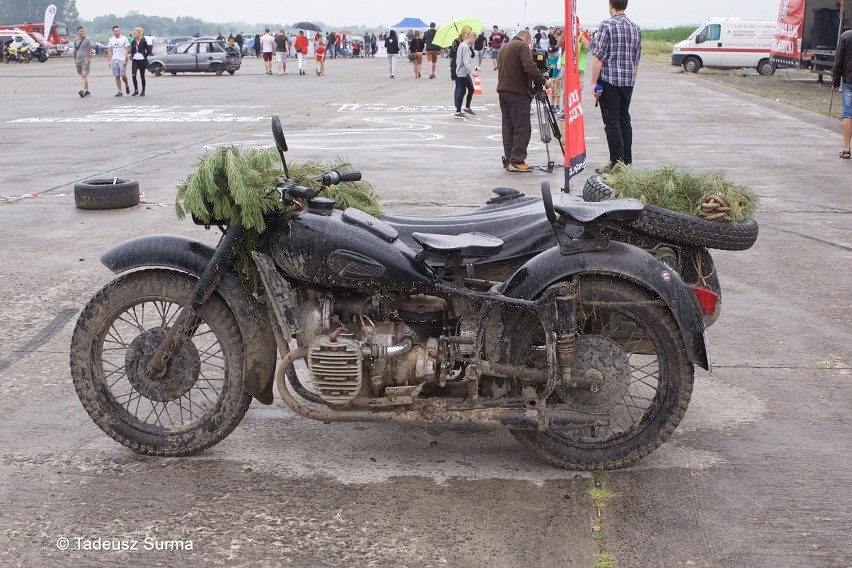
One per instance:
(606,368)
(182,368)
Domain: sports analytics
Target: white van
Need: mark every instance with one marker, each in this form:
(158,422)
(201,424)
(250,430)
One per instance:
(17,37)
(727,43)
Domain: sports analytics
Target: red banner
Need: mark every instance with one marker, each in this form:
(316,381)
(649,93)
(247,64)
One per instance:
(575,131)
(787,43)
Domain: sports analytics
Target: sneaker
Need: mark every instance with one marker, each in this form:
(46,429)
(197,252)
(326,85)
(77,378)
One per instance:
(560,115)
(469,111)
(142,94)
(118,94)
(521,167)
(81,93)
(279,74)
(127,89)
(86,93)
(458,115)
(135,94)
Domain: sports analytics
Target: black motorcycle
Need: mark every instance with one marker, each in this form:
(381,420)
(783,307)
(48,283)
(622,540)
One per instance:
(585,350)
(39,54)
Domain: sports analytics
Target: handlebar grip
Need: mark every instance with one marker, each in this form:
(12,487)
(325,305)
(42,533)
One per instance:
(334,177)
(350,176)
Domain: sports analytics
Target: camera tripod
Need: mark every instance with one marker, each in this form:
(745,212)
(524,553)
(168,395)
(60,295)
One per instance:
(547,123)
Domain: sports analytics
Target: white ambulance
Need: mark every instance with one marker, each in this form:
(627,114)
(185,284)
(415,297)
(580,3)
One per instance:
(727,43)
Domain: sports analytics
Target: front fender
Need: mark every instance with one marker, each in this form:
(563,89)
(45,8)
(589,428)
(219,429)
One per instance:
(625,261)
(187,255)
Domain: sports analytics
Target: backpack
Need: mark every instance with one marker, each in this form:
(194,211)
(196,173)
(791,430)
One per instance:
(454,50)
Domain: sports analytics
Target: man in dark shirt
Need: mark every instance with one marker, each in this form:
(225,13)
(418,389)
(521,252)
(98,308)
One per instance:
(516,73)
(616,62)
(842,73)
(432,50)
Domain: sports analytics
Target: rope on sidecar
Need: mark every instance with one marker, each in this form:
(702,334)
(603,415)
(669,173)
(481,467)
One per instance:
(714,207)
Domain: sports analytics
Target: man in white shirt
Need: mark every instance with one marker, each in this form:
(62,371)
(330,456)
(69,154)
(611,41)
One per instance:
(267,48)
(119,55)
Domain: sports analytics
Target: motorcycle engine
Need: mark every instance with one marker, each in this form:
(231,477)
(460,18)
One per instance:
(359,346)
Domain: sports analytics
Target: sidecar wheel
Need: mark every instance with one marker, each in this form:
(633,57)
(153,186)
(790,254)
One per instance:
(634,345)
(200,399)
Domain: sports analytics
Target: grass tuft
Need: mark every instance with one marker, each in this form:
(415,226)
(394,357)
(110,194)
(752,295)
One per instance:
(682,190)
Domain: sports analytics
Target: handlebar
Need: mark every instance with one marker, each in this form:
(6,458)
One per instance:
(290,190)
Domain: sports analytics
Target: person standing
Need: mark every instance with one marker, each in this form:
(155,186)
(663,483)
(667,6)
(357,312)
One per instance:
(282,47)
(83,49)
(139,53)
(614,70)
(256,45)
(464,68)
(392,47)
(267,47)
(240,40)
(495,42)
(366,48)
(516,74)
(416,47)
(842,73)
(119,54)
(432,50)
(301,46)
(319,58)
(479,48)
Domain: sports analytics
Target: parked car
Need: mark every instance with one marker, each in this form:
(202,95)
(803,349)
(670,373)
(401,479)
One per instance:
(202,55)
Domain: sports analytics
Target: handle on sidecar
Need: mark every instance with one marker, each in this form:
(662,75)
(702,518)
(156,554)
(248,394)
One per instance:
(547,200)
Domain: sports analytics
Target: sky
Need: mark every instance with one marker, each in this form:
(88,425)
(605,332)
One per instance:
(509,14)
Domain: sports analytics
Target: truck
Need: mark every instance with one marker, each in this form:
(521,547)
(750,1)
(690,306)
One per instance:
(57,36)
(727,43)
(807,33)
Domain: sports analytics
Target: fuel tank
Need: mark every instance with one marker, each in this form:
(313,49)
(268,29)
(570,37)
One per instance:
(350,248)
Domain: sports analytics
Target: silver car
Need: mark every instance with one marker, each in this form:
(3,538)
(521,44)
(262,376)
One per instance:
(202,55)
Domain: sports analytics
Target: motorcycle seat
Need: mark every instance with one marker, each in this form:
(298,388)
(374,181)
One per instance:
(466,245)
(614,210)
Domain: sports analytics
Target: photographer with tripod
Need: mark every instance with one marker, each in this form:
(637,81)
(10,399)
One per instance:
(517,73)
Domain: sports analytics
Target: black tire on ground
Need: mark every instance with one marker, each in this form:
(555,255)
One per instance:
(679,227)
(636,346)
(691,64)
(766,67)
(108,193)
(157,69)
(231,71)
(200,399)
(174,73)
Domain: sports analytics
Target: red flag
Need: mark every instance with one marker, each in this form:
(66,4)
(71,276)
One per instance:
(787,43)
(575,132)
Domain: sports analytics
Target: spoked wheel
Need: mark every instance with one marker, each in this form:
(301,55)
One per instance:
(199,399)
(630,348)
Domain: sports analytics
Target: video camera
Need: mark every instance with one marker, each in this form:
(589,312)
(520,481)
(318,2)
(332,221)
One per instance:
(540,58)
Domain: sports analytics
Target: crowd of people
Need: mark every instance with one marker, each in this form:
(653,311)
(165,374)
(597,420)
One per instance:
(615,51)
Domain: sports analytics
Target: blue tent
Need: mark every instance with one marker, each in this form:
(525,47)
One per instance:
(411,23)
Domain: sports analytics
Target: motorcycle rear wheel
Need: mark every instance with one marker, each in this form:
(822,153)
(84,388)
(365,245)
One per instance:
(200,399)
(635,344)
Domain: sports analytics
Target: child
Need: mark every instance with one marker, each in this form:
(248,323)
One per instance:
(319,54)
(554,64)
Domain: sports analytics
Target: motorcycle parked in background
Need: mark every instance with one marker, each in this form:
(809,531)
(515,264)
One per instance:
(18,54)
(584,350)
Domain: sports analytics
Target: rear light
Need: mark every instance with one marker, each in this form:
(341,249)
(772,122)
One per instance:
(707,298)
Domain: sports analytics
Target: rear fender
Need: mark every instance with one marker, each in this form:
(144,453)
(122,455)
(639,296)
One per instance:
(624,261)
(187,255)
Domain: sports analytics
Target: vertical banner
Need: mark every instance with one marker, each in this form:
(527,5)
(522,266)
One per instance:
(575,131)
(787,43)
(49,15)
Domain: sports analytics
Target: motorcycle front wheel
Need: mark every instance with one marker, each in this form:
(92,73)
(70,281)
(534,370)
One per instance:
(630,344)
(199,399)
